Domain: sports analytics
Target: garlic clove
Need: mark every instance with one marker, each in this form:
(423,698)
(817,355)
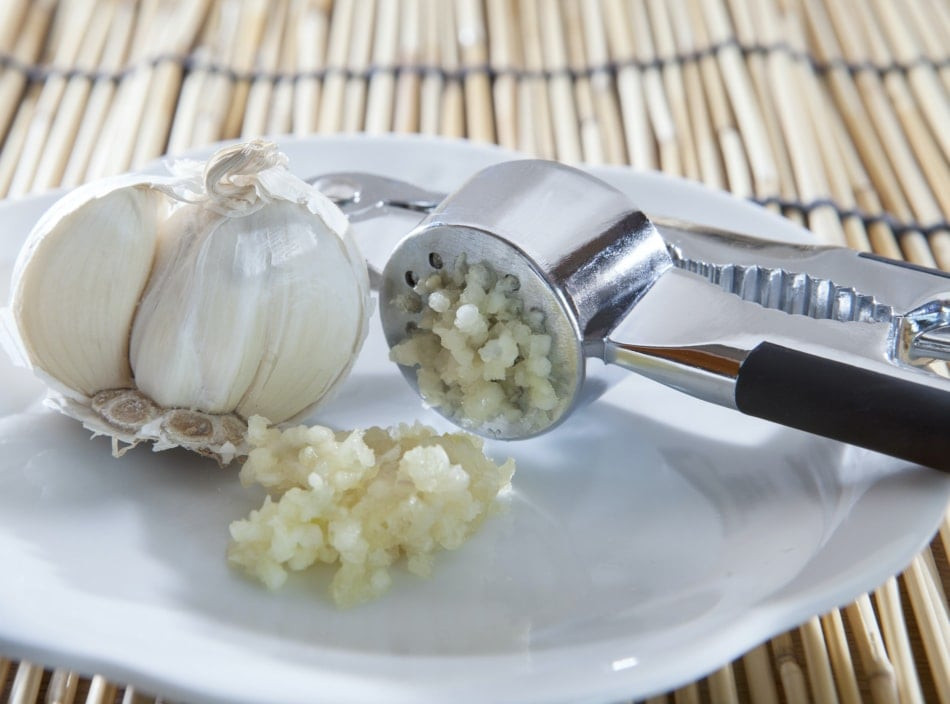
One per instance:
(317,314)
(78,281)
(196,338)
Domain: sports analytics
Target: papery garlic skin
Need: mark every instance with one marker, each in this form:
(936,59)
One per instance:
(172,309)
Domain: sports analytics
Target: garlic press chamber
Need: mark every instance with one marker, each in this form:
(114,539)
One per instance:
(847,345)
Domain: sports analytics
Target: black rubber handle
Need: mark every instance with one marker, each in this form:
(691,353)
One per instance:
(840,401)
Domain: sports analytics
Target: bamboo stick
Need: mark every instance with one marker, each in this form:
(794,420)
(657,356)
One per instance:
(722,686)
(26,683)
(944,532)
(27,50)
(131,695)
(799,127)
(923,78)
(928,37)
(883,180)
(916,248)
(930,160)
(280,116)
(240,60)
(741,96)
(658,109)
(879,236)
(265,65)
(591,141)
(688,694)
(382,84)
(5,667)
(470,34)
(931,619)
(181,29)
(564,119)
(870,646)
(451,102)
(16,137)
(850,105)
(633,109)
(122,124)
(430,93)
(817,662)
(790,672)
(531,110)
(12,15)
(62,687)
(657,699)
(753,22)
(896,640)
(59,24)
(732,149)
(201,103)
(101,691)
(606,107)
(674,87)
(892,139)
(311,47)
(80,42)
(189,102)
(334,85)
(934,571)
(55,148)
(837,158)
(935,590)
(200,81)
(409,81)
(701,122)
(940,245)
(358,58)
(213,94)
(536,134)
(502,48)
(115,146)
(940,16)
(759,677)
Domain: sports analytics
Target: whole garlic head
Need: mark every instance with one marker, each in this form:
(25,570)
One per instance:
(173,308)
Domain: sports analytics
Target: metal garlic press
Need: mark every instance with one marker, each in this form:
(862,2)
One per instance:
(843,344)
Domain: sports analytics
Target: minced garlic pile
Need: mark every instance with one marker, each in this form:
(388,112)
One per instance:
(361,499)
(483,359)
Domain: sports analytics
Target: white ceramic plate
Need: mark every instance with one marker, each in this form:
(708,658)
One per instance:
(650,539)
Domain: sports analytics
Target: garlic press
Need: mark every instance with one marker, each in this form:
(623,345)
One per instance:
(847,345)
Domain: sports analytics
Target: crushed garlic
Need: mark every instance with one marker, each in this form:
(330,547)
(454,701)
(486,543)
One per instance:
(482,359)
(361,499)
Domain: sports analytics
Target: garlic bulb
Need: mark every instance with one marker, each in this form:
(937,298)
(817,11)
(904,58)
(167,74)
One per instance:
(173,308)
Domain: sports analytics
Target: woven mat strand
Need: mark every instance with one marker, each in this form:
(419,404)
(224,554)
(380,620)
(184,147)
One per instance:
(834,113)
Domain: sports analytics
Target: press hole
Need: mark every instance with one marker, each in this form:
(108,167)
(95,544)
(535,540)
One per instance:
(411,327)
(411,278)
(435,261)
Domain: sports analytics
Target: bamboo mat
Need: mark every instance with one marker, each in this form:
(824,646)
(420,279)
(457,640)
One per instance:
(834,113)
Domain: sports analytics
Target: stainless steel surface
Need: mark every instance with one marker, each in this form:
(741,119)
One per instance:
(834,302)
(381,211)
(362,196)
(679,304)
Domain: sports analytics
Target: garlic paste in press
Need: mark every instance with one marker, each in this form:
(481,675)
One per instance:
(172,308)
